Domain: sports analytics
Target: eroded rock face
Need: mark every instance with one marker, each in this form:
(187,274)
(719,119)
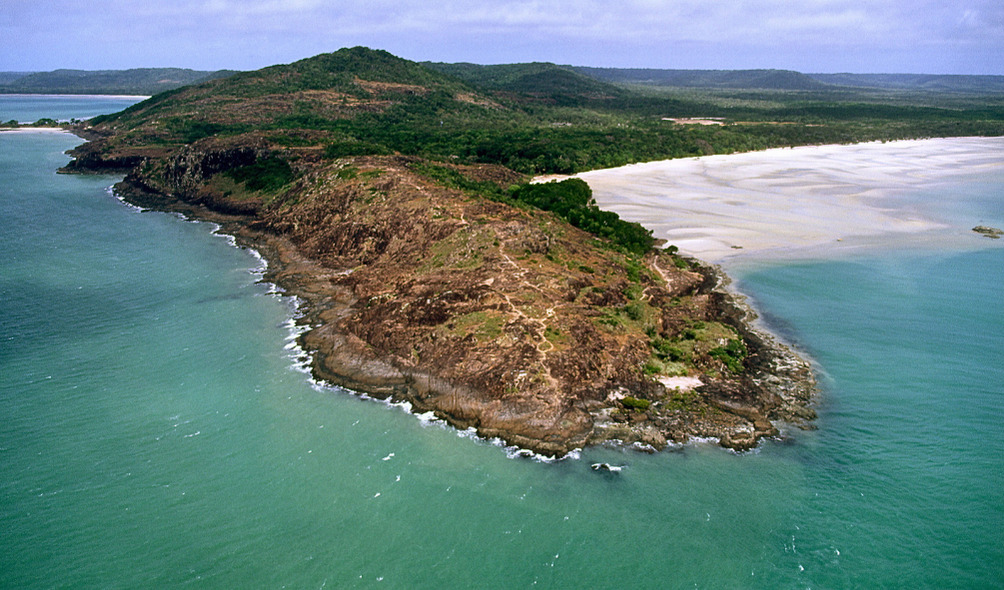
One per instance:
(493,317)
(188,170)
(90,158)
(510,321)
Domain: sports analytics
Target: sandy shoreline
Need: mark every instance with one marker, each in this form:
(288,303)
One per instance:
(781,202)
(33,130)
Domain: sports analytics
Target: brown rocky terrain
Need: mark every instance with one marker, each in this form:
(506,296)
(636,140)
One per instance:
(425,278)
(493,316)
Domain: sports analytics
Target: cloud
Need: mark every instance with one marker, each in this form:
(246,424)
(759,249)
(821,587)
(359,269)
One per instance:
(656,33)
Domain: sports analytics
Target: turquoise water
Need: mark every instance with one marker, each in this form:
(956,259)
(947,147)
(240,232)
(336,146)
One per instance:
(62,107)
(156,432)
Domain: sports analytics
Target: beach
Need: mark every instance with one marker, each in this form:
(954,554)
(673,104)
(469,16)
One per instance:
(806,201)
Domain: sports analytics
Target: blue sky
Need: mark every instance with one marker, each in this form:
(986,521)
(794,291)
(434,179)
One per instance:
(861,36)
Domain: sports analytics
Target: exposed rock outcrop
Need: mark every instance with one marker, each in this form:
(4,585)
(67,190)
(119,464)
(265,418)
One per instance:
(502,319)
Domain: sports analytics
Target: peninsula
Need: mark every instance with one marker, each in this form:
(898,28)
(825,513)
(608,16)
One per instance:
(394,199)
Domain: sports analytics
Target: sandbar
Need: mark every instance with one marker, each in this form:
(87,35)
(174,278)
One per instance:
(779,202)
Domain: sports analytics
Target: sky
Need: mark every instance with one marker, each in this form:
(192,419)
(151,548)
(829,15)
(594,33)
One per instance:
(811,36)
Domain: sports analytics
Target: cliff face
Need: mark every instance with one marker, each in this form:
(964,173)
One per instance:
(503,319)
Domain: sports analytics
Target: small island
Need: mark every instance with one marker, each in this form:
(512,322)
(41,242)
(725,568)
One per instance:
(395,200)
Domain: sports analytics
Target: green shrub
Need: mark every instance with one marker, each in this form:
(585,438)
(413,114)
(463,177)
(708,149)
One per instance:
(664,349)
(652,367)
(347,173)
(732,354)
(635,311)
(635,403)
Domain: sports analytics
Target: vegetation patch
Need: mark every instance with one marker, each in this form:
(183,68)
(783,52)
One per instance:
(343,148)
(635,403)
(688,401)
(664,349)
(192,130)
(732,354)
(347,173)
(453,178)
(572,200)
(483,325)
(557,338)
(267,174)
(462,250)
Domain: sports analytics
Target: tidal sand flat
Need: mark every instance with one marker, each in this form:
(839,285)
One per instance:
(782,202)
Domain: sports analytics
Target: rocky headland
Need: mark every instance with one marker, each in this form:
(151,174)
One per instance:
(423,282)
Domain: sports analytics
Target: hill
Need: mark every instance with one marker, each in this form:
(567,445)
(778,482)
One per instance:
(393,199)
(733,79)
(143,81)
(928,82)
(8,77)
(534,79)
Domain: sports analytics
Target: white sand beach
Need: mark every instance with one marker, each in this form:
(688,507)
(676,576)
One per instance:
(781,201)
(32,130)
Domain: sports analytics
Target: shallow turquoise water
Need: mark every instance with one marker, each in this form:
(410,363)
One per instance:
(155,432)
(62,107)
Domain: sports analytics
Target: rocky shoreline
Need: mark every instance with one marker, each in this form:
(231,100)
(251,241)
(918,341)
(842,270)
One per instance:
(777,386)
(491,317)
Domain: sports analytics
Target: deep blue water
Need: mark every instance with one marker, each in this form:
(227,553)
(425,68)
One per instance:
(156,432)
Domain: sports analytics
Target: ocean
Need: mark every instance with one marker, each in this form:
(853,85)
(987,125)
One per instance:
(158,429)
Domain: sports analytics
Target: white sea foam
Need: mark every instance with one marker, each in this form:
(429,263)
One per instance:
(698,440)
(261,267)
(427,417)
(111,191)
